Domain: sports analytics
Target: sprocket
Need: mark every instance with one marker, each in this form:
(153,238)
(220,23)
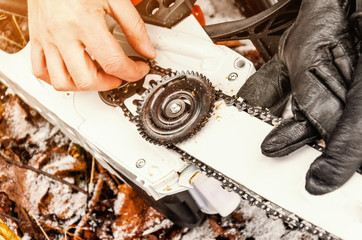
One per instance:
(175,108)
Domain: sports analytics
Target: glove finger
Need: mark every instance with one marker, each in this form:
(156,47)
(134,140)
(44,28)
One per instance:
(326,173)
(320,95)
(289,136)
(269,87)
(343,155)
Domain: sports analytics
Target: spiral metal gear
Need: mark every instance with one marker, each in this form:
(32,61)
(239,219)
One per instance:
(175,108)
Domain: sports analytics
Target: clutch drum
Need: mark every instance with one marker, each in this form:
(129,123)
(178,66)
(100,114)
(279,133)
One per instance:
(175,108)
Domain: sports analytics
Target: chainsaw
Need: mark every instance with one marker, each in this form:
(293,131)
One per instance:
(181,137)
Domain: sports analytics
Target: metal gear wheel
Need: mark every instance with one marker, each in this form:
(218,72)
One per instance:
(175,108)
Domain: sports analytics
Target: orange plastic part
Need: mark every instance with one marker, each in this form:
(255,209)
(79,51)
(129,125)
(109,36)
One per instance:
(135,2)
(198,14)
(196,11)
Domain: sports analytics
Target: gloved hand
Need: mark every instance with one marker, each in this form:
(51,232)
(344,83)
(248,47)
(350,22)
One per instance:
(343,154)
(314,66)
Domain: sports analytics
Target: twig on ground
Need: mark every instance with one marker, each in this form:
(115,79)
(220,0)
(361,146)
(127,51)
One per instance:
(41,228)
(27,218)
(3,17)
(91,176)
(63,231)
(19,30)
(21,165)
(10,217)
(95,198)
(11,41)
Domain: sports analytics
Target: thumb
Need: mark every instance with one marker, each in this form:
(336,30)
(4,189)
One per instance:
(343,154)
(289,136)
(269,87)
(133,26)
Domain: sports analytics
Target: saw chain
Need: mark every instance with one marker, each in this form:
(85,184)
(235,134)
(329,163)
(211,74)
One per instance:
(114,98)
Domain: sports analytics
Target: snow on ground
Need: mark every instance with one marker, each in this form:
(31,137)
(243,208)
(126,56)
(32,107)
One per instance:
(219,11)
(222,11)
(203,232)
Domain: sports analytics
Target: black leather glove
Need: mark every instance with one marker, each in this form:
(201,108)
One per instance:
(343,154)
(314,66)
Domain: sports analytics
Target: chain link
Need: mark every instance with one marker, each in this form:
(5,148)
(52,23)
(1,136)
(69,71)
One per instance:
(261,113)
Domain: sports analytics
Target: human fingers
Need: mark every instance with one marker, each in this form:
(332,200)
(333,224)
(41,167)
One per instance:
(108,53)
(60,78)
(84,71)
(133,26)
(39,65)
(327,173)
(289,136)
(318,98)
(343,154)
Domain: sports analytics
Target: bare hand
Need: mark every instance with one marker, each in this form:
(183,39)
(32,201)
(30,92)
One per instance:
(60,30)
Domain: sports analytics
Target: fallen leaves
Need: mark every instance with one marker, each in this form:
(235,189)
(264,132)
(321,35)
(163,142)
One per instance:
(58,189)
(128,210)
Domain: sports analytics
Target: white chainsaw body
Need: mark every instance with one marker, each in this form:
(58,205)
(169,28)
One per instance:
(229,142)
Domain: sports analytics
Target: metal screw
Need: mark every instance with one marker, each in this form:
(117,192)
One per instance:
(140,163)
(233,76)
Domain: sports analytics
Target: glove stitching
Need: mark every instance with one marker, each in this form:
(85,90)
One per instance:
(322,131)
(314,72)
(346,57)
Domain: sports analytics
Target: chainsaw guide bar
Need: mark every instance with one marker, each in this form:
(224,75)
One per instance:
(198,85)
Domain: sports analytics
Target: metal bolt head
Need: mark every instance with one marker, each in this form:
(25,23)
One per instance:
(233,76)
(175,107)
(140,163)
